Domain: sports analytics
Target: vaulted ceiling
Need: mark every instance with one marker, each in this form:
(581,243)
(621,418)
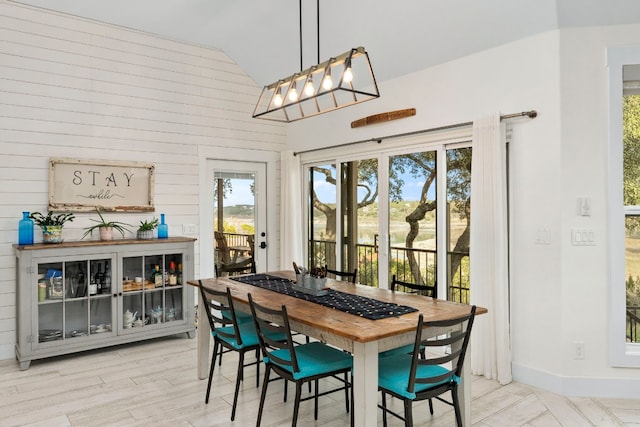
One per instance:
(402,36)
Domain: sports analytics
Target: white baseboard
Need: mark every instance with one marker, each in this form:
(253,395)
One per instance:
(577,386)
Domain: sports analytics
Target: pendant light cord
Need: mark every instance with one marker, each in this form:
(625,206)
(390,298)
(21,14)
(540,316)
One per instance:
(317,30)
(300,12)
(318,27)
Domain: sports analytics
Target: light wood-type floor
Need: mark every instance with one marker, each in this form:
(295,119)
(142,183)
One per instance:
(154,383)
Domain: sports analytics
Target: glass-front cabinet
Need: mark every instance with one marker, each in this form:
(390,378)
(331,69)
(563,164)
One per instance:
(73,298)
(81,295)
(152,290)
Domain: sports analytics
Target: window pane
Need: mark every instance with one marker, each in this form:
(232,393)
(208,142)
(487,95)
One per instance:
(631,153)
(632,254)
(234,221)
(631,193)
(322,215)
(359,200)
(458,224)
(412,217)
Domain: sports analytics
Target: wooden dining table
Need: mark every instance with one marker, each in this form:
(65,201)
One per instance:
(362,337)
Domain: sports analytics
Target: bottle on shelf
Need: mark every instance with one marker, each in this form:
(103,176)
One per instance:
(163,229)
(106,279)
(82,285)
(93,287)
(157,277)
(98,279)
(179,276)
(25,230)
(173,276)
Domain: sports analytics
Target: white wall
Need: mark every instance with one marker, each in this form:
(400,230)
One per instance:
(71,87)
(558,291)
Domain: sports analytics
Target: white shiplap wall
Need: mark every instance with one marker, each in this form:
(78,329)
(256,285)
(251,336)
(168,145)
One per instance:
(71,87)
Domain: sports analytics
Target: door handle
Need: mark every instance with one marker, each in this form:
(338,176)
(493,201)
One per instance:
(263,245)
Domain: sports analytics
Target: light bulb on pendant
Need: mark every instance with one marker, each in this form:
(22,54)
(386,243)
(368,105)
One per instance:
(293,93)
(277,99)
(347,77)
(309,90)
(327,83)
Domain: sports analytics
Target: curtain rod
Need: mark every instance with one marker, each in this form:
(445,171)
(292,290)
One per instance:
(531,114)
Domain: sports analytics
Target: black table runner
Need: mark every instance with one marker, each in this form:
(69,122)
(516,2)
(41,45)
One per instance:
(357,305)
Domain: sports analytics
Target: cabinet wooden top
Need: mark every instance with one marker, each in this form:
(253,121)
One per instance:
(115,242)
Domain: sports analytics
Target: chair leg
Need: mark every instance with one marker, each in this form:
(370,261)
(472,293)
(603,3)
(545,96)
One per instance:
(257,367)
(315,401)
(408,413)
(346,390)
(431,406)
(296,404)
(239,379)
(263,394)
(456,406)
(213,365)
(384,409)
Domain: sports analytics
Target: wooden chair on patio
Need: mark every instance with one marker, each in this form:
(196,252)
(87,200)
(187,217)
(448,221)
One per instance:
(236,263)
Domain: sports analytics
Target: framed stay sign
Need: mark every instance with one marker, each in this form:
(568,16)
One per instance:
(83,185)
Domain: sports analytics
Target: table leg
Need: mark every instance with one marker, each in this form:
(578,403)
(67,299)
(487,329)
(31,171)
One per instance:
(365,384)
(464,393)
(204,337)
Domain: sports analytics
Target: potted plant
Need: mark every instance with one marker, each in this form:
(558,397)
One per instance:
(51,225)
(145,230)
(105,227)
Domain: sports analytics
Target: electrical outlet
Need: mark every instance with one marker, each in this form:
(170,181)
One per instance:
(578,350)
(189,229)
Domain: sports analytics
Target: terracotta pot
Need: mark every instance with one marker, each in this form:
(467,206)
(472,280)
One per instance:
(51,234)
(106,233)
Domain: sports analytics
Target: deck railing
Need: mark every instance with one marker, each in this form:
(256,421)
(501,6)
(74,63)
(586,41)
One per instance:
(633,324)
(424,262)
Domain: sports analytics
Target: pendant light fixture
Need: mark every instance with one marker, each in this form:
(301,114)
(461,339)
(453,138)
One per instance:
(338,82)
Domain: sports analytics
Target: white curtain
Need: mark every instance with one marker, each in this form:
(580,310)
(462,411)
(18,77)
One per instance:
(490,340)
(291,208)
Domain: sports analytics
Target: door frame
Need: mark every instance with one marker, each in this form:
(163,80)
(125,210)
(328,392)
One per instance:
(271,186)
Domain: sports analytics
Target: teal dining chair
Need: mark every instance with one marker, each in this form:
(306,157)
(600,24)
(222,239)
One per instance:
(230,334)
(304,363)
(413,378)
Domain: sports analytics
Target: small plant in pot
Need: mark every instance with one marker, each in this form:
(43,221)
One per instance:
(145,230)
(51,225)
(105,228)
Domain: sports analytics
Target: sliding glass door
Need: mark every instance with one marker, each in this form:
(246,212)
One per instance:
(420,233)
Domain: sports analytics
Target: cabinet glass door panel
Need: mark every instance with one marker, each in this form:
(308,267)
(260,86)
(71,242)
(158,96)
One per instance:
(100,315)
(155,276)
(50,321)
(75,279)
(172,263)
(173,304)
(134,276)
(132,309)
(154,307)
(76,323)
(50,303)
